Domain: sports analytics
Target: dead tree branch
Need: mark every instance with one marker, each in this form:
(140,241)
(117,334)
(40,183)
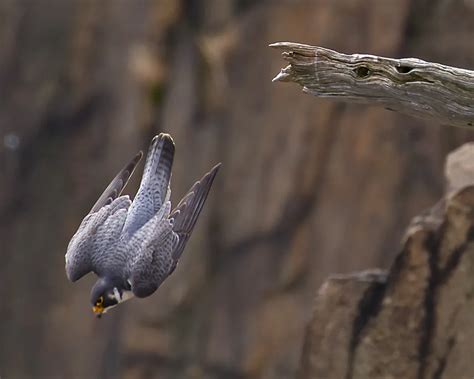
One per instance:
(411,86)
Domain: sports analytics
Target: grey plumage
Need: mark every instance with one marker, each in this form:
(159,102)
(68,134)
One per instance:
(135,246)
(154,187)
(116,186)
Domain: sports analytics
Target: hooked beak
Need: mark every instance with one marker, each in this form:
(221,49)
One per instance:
(98,310)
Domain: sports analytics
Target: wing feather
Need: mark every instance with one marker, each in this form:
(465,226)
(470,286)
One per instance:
(84,243)
(116,186)
(186,213)
(92,236)
(152,261)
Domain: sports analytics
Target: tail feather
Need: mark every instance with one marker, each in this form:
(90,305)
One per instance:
(159,160)
(154,186)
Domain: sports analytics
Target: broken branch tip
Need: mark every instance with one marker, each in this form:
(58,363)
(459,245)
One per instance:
(281,77)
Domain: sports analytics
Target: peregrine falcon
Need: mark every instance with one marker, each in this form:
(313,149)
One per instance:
(133,246)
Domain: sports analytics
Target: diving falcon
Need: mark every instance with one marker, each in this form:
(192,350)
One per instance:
(133,246)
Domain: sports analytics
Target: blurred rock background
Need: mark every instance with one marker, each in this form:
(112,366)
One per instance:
(308,186)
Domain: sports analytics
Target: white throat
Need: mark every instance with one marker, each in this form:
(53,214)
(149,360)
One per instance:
(126,295)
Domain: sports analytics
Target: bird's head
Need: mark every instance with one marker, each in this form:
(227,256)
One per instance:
(106,294)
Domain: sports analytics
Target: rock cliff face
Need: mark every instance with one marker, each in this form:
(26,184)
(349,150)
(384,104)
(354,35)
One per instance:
(416,321)
(308,187)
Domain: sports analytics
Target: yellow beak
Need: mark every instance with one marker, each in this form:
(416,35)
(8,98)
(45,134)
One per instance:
(98,310)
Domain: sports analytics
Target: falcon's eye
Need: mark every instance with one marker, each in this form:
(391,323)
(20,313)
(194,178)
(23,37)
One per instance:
(99,301)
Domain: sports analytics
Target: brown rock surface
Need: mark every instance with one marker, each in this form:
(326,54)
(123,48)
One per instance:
(307,188)
(417,321)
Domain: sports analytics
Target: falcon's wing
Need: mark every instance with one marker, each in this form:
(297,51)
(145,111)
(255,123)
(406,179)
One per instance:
(186,213)
(107,215)
(97,232)
(154,187)
(160,242)
(151,253)
(117,185)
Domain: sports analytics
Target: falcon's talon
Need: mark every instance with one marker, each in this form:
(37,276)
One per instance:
(118,238)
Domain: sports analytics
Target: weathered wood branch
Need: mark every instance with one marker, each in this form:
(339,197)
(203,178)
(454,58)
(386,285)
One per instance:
(411,86)
(416,321)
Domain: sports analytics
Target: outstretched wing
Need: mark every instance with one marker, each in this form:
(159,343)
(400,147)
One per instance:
(104,221)
(154,187)
(116,186)
(161,241)
(186,213)
(97,232)
(151,253)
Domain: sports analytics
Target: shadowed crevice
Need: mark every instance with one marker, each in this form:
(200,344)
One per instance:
(369,307)
(455,258)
